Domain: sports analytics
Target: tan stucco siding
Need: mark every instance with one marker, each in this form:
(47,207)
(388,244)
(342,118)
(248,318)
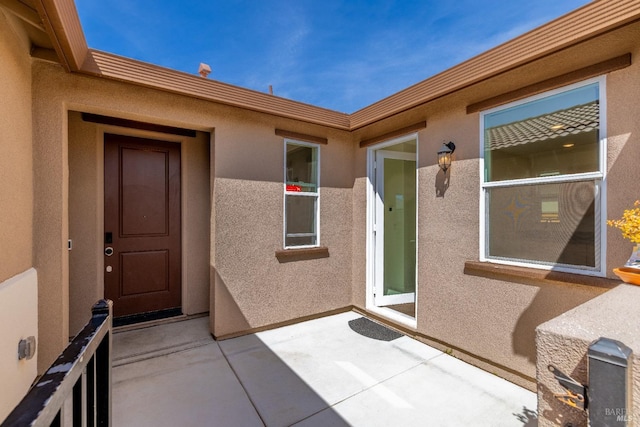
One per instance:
(488,320)
(253,289)
(494,320)
(50,223)
(247,158)
(84,216)
(16,164)
(623,154)
(18,280)
(196,222)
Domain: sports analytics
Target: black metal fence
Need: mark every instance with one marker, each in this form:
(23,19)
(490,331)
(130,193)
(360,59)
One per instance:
(76,389)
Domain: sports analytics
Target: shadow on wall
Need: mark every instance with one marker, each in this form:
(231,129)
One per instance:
(442,182)
(549,302)
(553,300)
(278,394)
(557,411)
(225,314)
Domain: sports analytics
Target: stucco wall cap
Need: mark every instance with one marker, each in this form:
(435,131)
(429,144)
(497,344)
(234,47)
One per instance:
(613,315)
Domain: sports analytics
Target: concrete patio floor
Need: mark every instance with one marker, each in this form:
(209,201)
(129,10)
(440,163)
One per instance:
(316,373)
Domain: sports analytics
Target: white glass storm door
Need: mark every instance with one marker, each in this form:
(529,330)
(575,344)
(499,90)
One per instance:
(395,227)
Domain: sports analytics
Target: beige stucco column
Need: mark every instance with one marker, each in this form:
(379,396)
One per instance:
(50,224)
(563,343)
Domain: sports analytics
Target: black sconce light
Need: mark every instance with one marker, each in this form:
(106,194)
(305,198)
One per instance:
(444,155)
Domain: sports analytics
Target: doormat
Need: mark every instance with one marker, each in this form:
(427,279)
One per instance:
(370,329)
(146,317)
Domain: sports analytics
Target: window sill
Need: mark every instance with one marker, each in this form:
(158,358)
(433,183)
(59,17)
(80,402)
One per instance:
(533,276)
(289,255)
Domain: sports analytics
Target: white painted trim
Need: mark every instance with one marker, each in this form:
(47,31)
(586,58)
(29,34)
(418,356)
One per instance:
(604,147)
(380,155)
(588,176)
(395,316)
(599,177)
(302,193)
(370,233)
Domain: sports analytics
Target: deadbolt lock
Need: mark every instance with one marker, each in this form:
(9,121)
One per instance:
(108,251)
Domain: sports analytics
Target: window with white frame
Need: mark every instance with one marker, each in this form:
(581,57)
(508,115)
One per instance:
(542,180)
(301,195)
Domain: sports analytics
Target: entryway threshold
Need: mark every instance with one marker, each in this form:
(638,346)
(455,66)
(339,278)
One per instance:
(156,322)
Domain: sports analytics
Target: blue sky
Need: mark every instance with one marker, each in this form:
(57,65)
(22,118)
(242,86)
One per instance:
(337,54)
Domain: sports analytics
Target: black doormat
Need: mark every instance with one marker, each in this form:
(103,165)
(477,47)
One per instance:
(369,329)
(146,317)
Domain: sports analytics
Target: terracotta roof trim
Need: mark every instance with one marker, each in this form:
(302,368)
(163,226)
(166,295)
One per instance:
(570,121)
(116,67)
(61,21)
(584,23)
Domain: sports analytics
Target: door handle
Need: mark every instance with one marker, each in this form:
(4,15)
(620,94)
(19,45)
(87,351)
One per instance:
(108,251)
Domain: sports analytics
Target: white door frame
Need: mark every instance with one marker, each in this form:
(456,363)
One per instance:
(379,298)
(371,233)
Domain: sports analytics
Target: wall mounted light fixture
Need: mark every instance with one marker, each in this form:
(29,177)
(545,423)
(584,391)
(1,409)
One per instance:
(444,155)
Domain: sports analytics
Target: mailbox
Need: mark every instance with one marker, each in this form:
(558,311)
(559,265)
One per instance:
(609,383)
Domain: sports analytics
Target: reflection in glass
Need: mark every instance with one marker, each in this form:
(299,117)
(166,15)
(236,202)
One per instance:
(301,221)
(545,224)
(555,135)
(399,226)
(302,168)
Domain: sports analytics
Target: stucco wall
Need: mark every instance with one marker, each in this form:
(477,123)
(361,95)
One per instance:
(86,284)
(490,322)
(623,155)
(16,184)
(246,219)
(564,341)
(18,280)
(18,321)
(253,289)
(493,319)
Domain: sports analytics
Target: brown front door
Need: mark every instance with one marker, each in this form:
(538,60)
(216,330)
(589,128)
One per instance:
(142,243)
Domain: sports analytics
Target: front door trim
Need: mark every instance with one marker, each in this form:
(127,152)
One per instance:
(370,235)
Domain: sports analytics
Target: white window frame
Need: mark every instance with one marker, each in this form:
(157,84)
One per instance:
(598,176)
(301,193)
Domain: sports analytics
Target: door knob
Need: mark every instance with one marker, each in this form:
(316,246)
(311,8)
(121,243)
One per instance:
(108,251)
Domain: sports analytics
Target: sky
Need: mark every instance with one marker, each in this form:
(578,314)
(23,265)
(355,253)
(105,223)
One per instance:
(338,54)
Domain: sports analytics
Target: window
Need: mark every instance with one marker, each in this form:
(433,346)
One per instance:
(301,183)
(542,180)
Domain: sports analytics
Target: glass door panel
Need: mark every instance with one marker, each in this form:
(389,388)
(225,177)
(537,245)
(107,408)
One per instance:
(395,228)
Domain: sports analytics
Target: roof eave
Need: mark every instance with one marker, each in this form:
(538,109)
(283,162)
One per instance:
(587,22)
(61,21)
(107,65)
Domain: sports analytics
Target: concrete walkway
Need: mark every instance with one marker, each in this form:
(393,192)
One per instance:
(323,372)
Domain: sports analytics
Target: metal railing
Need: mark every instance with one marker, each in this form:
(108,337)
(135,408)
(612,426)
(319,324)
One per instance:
(76,389)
